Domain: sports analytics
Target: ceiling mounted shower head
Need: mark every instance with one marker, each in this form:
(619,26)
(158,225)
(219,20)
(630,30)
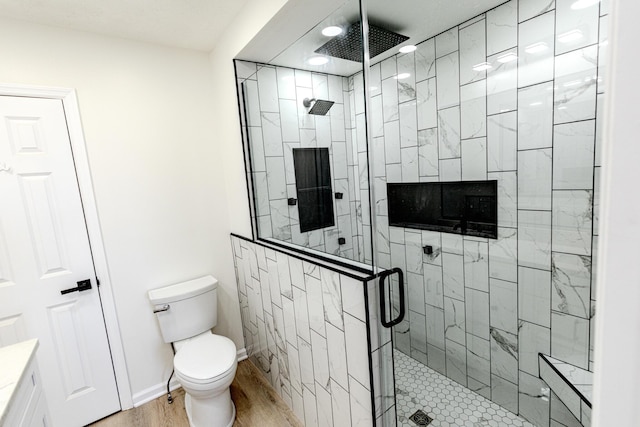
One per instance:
(320,106)
(349,44)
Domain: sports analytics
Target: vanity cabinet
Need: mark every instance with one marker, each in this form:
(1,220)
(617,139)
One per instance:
(22,401)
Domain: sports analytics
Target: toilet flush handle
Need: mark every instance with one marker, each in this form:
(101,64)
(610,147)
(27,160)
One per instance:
(161,309)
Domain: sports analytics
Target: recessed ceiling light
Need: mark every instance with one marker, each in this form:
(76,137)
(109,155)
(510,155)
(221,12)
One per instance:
(583,4)
(536,47)
(570,36)
(317,60)
(507,57)
(408,48)
(483,66)
(332,31)
(402,76)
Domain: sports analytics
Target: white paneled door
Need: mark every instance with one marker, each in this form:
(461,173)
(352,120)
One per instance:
(44,250)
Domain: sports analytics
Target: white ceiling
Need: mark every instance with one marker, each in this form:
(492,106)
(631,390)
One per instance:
(190,24)
(417,19)
(289,39)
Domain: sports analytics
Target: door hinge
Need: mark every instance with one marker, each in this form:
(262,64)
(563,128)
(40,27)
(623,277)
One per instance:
(97,282)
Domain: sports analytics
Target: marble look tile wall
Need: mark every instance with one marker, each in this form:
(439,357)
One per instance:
(305,328)
(357,169)
(513,95)
(277,122)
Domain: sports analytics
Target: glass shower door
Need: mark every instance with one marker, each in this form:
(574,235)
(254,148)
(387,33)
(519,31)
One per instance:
(507,94)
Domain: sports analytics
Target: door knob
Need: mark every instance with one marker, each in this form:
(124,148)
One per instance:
(83,285)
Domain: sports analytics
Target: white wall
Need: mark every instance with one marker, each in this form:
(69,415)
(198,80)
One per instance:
(148,117)
(617,368)
(248,22)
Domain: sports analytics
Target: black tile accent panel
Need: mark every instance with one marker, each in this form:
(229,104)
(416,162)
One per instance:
(313,185)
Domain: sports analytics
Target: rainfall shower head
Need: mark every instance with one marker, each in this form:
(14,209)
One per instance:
(320,106)
(349,44)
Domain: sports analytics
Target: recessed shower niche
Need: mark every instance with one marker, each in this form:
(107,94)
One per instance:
(466,207)
(313,188)
(467,156)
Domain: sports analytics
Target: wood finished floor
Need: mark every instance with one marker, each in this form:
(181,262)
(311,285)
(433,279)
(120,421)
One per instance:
(257,404)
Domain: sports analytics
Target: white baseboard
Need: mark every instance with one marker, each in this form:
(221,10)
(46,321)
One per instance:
(242,354)
(153,392)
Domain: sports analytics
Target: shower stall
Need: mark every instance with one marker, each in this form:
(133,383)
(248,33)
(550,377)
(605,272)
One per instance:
(452,156)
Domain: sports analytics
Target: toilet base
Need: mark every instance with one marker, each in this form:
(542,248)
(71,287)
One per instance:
(218,412)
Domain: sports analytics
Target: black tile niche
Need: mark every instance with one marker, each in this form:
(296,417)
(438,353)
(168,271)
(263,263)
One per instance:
(313,188)
(462,207)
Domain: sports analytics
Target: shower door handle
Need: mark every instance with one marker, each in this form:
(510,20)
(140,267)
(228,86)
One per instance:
(383,300)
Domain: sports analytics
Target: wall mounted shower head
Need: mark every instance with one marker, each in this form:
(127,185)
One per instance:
(320,107)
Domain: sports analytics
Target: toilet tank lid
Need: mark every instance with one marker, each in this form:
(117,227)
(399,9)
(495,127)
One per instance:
(183,290)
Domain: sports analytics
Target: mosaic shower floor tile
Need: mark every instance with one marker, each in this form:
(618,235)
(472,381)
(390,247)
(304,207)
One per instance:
(447,402)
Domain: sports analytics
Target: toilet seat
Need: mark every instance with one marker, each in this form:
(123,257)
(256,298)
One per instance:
(206,359)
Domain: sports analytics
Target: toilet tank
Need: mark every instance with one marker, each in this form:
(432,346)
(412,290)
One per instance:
(192,308)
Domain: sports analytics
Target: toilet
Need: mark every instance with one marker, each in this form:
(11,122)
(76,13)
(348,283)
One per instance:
(204,363)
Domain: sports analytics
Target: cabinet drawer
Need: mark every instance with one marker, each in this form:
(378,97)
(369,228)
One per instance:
(26,398)
(38,413)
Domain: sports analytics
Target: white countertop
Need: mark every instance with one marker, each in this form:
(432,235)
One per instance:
(14,360)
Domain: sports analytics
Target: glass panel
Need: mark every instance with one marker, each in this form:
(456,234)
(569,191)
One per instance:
(304,127)
(492,91)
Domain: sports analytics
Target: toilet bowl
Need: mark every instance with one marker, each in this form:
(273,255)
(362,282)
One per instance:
(204,363)
(205,367)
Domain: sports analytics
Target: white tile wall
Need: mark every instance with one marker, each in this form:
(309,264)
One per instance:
(502,27)
(310,346)
(536,50)
(472,52)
